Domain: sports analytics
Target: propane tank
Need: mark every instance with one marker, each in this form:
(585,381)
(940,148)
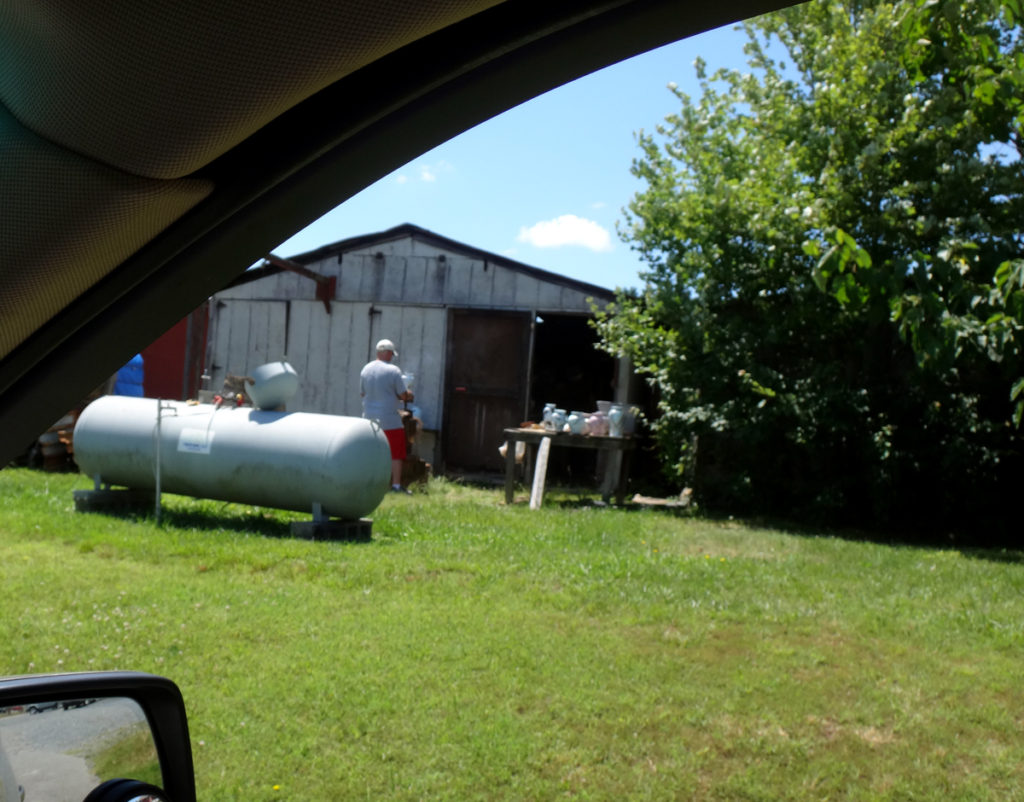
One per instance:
(273,385)
(287,460)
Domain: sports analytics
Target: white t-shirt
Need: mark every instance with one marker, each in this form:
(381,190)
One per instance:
(381,383)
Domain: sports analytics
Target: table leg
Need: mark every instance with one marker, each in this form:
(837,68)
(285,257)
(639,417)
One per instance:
(620,491)
(610,475)
(510,470)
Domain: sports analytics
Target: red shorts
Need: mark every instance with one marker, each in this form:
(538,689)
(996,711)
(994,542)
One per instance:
(396,439)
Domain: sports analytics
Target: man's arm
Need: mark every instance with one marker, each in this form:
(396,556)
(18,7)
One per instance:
(400,392)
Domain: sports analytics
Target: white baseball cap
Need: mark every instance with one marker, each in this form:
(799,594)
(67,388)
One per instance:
(386,345)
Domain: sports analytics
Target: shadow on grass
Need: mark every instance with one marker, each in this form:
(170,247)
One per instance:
(1011,556)
(576,497)
(597,503)
(268,523)
(249,523)
(972,547)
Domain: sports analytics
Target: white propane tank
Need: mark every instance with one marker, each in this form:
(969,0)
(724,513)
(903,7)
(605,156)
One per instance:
(287,460)
(273,385)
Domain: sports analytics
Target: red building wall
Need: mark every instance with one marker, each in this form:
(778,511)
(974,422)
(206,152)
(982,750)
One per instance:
(173,363)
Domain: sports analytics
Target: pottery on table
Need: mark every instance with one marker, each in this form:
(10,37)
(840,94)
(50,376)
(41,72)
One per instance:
(577,422)
(615,420)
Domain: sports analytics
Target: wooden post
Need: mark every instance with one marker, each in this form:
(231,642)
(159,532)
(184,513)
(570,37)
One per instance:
(540,474)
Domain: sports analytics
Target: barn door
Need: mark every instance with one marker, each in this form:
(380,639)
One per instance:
(244,335)
(485,386)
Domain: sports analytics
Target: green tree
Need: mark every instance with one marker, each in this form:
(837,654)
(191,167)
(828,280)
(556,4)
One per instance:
(832,309)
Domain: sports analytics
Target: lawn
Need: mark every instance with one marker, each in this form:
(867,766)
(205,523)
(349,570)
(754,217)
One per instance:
(483,652)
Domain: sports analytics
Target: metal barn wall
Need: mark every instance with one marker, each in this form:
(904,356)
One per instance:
(329,350)
(408,271)
(399,288)
(244,335)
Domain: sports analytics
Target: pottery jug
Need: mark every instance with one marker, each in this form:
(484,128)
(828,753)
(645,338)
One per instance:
(629,420)
(615,416)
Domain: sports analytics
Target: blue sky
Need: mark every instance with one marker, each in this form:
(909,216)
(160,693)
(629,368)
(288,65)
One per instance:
(546,182)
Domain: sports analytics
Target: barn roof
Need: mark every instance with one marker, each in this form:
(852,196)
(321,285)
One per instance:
(430,238)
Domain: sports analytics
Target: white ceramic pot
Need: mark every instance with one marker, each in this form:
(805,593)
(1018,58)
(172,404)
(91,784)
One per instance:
(577,422)
(615,418)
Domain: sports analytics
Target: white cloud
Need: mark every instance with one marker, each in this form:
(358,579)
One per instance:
(401,179)
(567,230)
(598,205)
(429,173)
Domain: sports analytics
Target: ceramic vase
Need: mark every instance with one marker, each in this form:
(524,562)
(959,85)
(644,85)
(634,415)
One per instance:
(577,422)
(549,408)
(615,416)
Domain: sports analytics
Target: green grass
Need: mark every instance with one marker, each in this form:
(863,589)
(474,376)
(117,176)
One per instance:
(478,651)
(132,754)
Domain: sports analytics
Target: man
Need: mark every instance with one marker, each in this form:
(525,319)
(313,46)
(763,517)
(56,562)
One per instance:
(381,387)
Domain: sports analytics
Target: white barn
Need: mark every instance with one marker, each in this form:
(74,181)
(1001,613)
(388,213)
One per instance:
(490,340)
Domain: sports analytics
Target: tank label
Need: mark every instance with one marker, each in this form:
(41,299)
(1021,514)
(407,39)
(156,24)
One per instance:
(195,441)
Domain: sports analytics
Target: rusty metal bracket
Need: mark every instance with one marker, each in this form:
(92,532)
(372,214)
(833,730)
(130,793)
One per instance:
(326,286)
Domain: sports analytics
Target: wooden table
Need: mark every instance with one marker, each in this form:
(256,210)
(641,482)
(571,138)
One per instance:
(532,438)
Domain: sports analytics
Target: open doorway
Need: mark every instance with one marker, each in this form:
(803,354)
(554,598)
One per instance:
(569,370)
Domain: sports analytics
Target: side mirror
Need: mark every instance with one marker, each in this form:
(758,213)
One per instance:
(98,737)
